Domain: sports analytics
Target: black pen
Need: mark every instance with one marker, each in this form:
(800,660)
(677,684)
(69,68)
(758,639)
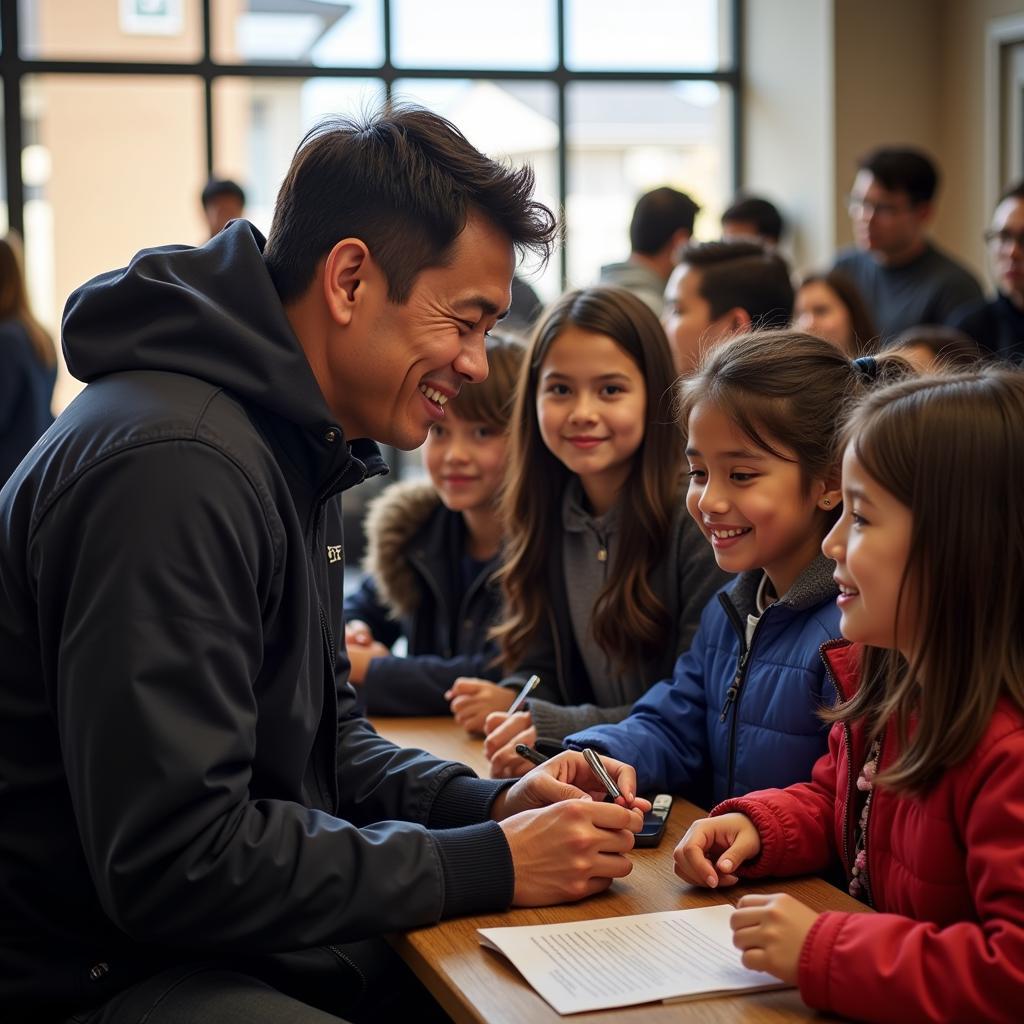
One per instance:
(531,755)
(602,773)
(529,686)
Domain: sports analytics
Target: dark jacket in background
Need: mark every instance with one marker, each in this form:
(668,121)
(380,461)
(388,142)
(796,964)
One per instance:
(26,390)
(413,589)
(997,326)
(182,772)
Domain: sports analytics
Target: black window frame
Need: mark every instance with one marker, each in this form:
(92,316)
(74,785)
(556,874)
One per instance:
(14,67)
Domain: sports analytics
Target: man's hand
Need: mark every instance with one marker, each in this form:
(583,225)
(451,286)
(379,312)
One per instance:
(472,700)
(358,634)
(568,777)
(569,850)
(504,731)
(359,658)
(713,848)
(771,929)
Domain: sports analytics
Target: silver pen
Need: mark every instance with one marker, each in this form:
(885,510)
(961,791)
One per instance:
(529,686)
(601,772)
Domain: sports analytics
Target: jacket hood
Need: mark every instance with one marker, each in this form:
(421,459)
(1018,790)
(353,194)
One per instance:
(393,520)
(210,312)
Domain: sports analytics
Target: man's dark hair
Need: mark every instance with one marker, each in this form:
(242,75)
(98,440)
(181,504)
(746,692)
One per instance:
(743,274)
(404,181)
(1013,192)
(657,216)
(903,170)
(763,214)
(217,187)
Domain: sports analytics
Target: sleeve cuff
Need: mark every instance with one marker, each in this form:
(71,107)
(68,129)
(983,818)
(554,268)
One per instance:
(768,861)
(465,800)
(479,876)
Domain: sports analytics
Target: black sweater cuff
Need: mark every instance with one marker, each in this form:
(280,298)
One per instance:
(465,800)
(479,876)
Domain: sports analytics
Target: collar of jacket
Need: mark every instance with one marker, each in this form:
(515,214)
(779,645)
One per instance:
(576,518)
(813,586)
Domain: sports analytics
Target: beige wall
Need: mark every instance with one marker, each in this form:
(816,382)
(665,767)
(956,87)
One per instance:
(967,205)
(828,80)
(788,131)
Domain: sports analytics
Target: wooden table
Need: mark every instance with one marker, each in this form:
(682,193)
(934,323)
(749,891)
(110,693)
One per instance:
(477,985)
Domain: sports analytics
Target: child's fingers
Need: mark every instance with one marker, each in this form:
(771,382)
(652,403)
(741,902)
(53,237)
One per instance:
(691,862)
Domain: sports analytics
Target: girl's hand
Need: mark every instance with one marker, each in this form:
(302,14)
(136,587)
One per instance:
(472,700)
(504,731)
(730,839)
(359,658)
(358,634)
(771,929)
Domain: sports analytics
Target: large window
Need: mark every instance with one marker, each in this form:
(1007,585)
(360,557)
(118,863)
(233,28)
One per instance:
(115,111)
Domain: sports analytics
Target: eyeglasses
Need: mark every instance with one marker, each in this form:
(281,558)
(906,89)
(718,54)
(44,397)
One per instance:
(858,207)
(1005,239)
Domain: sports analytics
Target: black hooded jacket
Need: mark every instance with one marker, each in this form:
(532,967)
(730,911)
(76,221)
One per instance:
(182,772)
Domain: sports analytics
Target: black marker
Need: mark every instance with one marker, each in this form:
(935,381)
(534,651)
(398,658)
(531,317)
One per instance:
(531,755)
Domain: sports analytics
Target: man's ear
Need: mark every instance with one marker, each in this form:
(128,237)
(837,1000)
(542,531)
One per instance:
(345,270)
(738,320)
(925,212)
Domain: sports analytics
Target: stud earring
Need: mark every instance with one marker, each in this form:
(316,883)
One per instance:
(827,503)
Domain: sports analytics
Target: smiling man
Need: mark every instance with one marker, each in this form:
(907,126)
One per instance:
(197,824)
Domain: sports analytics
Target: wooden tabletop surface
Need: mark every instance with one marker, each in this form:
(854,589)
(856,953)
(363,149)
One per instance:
(477,985)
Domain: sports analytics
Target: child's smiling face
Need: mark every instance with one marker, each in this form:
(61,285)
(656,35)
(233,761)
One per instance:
(754,507)
(591,408)
(870,544)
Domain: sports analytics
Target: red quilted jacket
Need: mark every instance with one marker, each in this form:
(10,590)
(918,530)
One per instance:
(946,873)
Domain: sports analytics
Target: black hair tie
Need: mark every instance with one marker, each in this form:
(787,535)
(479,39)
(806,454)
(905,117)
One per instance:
(867,367)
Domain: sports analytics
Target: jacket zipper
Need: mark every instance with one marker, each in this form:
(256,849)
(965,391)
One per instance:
(732,695)
(867,868)
(341,955)
(848,800)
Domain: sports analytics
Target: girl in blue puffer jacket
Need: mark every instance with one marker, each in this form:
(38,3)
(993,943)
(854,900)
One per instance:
(761,417)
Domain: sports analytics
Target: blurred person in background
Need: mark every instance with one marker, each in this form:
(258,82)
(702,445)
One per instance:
(223,201)
(662,224)
(904,277)
(934,349)
(28,363)
(720,289)
(753,217)
(829,306)
(998,324)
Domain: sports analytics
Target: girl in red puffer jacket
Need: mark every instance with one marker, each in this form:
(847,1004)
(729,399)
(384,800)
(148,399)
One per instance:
(921,793)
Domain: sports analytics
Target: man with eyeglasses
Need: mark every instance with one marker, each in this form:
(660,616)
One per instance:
(998,325)
(905,279)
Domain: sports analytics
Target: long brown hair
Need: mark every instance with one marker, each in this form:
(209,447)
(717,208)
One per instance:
(14,299)
(949,448)
(629,620)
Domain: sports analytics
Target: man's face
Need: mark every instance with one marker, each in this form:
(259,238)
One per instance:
(1007,248)
(687,319)
(885,222)
(394,367)
(220,209)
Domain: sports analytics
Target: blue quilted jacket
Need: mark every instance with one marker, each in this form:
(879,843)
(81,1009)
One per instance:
(735,718)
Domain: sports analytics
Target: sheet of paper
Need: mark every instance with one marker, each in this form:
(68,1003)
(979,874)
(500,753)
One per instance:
(619,961)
